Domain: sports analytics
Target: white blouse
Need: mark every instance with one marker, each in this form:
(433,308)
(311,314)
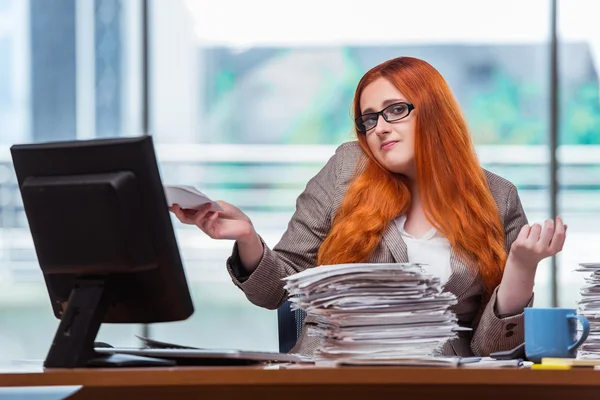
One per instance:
(432,249)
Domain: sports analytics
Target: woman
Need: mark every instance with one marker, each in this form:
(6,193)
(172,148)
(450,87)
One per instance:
(410,189)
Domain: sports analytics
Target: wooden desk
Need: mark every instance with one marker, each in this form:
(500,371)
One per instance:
(309,383)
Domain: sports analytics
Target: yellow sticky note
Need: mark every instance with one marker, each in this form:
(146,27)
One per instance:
(550,366)
(557,361)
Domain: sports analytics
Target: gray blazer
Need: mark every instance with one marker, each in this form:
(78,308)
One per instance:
(315,209)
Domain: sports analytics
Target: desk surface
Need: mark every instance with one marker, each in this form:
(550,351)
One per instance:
(303,382)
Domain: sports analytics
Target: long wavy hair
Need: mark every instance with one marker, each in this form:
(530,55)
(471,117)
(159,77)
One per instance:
(455,194)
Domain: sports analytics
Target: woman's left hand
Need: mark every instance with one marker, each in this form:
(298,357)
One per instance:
(537,242)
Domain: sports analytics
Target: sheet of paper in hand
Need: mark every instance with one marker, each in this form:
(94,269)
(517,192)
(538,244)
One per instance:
(188,197)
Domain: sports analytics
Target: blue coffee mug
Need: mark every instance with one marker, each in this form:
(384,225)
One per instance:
(552,332)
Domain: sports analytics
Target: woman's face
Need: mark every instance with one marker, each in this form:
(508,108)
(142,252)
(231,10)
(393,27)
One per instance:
(392,143)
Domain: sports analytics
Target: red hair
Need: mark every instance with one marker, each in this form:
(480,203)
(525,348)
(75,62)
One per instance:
(454,190)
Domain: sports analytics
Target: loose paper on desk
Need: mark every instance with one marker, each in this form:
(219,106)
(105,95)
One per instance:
(188,197)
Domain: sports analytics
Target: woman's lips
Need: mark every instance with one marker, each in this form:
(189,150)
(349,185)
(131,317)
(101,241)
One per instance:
(388,145)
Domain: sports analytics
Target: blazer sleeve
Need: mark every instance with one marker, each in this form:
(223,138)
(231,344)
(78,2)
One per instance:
(493,332)
(298,247)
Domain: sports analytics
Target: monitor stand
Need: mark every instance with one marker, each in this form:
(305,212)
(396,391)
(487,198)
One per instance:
(73,344)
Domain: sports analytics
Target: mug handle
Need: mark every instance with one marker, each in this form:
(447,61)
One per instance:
(586,330)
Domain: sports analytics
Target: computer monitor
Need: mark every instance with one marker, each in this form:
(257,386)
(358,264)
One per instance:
(103,237)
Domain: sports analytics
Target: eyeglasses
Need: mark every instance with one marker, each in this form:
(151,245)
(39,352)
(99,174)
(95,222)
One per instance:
(392,113)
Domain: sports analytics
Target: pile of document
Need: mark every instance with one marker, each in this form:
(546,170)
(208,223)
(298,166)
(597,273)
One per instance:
(375,312)
(589,307)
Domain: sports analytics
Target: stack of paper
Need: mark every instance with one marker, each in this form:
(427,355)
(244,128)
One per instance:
(589,307)
(374,311)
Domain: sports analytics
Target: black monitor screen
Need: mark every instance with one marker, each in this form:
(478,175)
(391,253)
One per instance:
(98,216)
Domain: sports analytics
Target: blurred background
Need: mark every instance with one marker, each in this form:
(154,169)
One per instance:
(247,100)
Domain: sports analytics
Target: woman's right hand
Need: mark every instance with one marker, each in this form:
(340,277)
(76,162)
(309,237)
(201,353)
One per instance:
(231,223)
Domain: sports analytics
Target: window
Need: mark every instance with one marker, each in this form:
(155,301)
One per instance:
(68,70)
(249,105)
(579,142)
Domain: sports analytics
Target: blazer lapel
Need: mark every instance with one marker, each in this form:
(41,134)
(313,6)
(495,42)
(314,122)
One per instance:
(395,243)
(462,276)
